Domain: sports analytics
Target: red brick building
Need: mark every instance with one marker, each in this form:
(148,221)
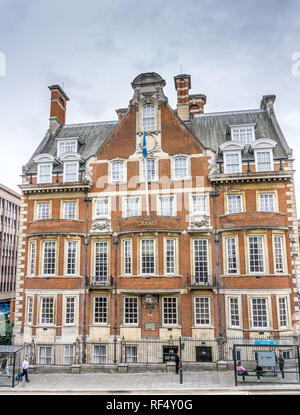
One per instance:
(208,256)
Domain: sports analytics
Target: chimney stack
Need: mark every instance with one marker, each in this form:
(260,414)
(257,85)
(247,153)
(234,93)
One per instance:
(58,106)
(182,86)
(197,102)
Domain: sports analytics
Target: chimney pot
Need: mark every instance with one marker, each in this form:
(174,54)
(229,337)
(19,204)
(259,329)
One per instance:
(58,105)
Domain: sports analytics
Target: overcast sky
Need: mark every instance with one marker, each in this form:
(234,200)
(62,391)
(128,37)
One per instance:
(235,51)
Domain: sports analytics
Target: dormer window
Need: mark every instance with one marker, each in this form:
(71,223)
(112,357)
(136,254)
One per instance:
(45,163)
(263,154)
(148,114)
(232,156)
(71,171)
(243,133)
(44,173)
(67,146)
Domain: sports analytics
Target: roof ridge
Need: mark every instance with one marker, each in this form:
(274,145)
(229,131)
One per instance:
(207,114)
(90,123)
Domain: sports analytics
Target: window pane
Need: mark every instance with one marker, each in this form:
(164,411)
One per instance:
(70,310)
(29,309)
(70,210)
(100,310)
(170,310)
(127,257)
(47,310)
(256,254)
(243,135)
(45,173)
(278,254)
(266,202)
(148,117)
(49,258)
(170,256)
(234,312)
(149,169)
(67,147)
(131,354)
(99,353)
(232,163)
(101,262)
(71,258)
(167,206)
(43,211)
(202,311)
(148,259)
(71,172)
(45,355)
(231,256)
(117,171)
(180,168)
(260,312)
(132,207)
(263,161)
(201,260)
(102,207)
(130,310)
(234,203)
(283,315)
(32,258)
(199,205)
(69,354)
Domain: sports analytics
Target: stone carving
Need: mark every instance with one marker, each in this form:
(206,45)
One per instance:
(200,223)
(87,177)
(101,225)
(149,301)
(213,168)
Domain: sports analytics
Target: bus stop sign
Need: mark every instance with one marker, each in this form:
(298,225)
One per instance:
(266,359)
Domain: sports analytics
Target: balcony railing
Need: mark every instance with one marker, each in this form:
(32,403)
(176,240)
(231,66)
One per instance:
(201,280)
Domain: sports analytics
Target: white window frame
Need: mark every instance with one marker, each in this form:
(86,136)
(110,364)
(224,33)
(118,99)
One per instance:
(98,358)
(43,259)
(30,309)
(230,153)
(199,212)
(75,173)
(167,324)
(282,254)
(237,129)
(131,357)
(227,238)
(46,356)
(186,158)
(240,197)
(53,311)
(141,256)
(69,357)
(230,314)
(262,196)
(67,143)
(32,259)
(135,316)
(73,210)
(43,211)
(50,165)
(145,170)
(264,150)
(101,278)
(98,201)
(127,242)
(148,122)
(75,259)
(73,315)
(172,199)
(104,310)
(138,212)
(262,255)
(197,311)
(201,278)
(174,243)
(260,328)
(286,312)
(112,163)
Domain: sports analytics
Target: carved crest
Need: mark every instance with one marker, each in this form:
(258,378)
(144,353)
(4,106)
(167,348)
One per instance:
(150,301)
(101,225)
(200,223)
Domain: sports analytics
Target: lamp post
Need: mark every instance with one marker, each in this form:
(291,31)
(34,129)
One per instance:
(86,241)
(116,243)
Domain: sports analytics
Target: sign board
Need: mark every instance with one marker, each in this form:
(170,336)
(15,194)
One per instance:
(266,359)
(150,326)
(266,342)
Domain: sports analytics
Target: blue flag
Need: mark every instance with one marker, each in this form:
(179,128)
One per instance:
(145,152)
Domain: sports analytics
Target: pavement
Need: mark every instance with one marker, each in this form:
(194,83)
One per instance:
(194,383)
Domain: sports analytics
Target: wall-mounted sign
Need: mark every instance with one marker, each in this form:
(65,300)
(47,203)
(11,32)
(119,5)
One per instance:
(146,223)
(150,326)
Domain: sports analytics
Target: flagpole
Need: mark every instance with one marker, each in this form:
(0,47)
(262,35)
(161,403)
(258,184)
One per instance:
(145,154)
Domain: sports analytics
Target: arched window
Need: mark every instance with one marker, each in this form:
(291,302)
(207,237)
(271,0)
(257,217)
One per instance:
(148,117)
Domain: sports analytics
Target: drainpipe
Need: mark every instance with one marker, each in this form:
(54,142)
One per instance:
(115,242)
(86,242)
(220,338)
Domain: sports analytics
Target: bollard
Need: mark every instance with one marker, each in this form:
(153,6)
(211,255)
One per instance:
(180,374)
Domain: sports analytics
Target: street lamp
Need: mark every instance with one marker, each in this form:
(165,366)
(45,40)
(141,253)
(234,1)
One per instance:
(116,240)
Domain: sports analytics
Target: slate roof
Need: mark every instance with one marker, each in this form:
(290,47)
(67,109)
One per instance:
(211,129)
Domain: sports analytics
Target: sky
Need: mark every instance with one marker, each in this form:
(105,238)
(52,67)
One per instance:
(236,51)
